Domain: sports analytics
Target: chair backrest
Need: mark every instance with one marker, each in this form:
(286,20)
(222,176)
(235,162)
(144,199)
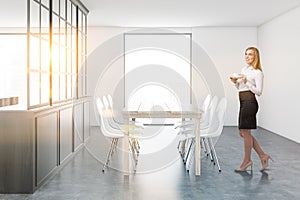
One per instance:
(206,102)
(205,108)
(100,106)
(109,114)
(211,110)
(104,124)
(106,103)
(110,106)
(221,109)
(110,100)
(220,118)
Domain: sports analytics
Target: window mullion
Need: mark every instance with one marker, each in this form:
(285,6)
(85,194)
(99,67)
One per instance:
(77,52)
(50,46)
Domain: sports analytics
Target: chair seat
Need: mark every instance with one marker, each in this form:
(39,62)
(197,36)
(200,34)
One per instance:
(128,127)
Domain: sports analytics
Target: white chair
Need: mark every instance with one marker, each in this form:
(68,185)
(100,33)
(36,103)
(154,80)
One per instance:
(136,132)
(122,126)
(108,101)
(204,118)
(214,131)
(114,136)
(132,125)
(190,124)
(114,123)
(188,130)
(208,126)
(205,107)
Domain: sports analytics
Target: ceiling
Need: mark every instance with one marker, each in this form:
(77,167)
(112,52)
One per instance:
(188,13)
(165,13)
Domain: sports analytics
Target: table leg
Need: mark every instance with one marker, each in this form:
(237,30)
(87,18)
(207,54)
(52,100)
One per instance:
(126,153)
(197,150)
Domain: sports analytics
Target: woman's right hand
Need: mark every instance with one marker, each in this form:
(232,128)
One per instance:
(233,79)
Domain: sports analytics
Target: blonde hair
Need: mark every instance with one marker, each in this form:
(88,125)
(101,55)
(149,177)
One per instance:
(256,62)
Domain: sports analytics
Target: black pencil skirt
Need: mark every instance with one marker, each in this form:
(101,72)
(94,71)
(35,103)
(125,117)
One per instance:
(248,110)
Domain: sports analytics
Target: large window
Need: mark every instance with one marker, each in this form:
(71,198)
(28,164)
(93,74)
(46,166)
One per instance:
(57,34)
(13,54)
(13,67)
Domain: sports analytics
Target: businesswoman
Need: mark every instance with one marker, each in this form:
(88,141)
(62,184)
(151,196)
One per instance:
(249,84)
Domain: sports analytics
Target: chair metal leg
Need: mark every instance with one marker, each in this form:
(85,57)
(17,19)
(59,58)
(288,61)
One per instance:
(182,148)
(108,155)
(132,150)
(136,146)
(211,153)
(134,155)
(215,153)
(188,152)
(114,146)
(208,149)
(178,146)
(203,145)
(191,156)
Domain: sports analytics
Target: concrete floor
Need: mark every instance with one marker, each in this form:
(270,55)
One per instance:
(166,177)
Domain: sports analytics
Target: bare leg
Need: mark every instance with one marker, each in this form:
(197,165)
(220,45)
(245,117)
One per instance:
(248,144)
(247,157)
(262,155)
(257,148)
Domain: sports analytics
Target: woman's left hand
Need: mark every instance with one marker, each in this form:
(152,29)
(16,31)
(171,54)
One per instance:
(244,78)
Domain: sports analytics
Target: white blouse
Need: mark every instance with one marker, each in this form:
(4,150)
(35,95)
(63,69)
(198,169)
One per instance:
(254,82)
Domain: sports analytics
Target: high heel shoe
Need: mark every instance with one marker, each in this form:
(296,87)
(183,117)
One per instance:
(244,168)
(265,162)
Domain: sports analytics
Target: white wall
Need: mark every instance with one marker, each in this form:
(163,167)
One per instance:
(224,46)
(279,41)
(104,45)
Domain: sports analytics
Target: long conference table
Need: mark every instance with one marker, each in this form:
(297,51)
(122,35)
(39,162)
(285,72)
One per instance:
(186,114)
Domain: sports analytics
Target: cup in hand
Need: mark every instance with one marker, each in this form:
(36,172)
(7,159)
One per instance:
(235,75)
